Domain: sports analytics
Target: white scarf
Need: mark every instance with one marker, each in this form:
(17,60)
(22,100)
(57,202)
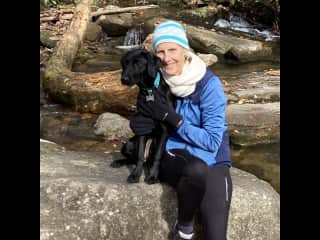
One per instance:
(185,84)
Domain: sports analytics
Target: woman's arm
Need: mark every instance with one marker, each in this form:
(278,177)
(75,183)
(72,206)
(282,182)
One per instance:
(213,102)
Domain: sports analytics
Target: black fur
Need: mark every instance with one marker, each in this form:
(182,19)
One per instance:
(140,67)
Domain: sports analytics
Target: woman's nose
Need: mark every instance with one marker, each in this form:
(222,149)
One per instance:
(165,58)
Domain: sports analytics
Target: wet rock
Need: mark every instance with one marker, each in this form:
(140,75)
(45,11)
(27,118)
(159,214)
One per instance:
(254,87)
(81,197)
(67,126)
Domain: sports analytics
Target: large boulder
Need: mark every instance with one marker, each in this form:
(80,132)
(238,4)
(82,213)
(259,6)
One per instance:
(251,124)
(81,197)
(115,24)
(257,86)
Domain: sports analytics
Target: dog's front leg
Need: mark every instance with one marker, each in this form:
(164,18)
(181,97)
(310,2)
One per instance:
(137,171)
(154,171)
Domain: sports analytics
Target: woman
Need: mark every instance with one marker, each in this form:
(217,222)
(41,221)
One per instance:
(197,158)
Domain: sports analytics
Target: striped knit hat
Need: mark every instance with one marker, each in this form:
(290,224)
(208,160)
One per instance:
(169,31)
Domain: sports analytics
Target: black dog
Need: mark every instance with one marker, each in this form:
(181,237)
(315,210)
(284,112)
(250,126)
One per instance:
(140,67)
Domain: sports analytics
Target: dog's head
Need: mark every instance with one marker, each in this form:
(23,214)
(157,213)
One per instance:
(139,67)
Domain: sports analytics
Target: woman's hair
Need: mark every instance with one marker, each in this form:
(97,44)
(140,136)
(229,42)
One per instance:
(188,55)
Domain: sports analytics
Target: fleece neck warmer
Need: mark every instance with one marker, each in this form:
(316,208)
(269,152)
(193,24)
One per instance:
(185,84)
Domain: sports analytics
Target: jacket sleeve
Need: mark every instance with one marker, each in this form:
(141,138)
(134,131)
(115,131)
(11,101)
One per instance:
(208,135)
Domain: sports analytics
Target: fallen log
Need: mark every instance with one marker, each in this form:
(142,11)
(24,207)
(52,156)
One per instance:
(49,19)
(99,92)
(122,10)
(67,48)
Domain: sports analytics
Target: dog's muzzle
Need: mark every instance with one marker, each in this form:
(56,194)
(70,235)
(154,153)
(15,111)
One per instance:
(125,80)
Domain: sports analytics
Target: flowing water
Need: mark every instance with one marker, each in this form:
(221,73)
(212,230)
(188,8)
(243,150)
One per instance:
(134,38)
(240,25)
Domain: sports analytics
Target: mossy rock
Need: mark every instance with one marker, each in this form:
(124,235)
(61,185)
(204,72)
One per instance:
(45,39)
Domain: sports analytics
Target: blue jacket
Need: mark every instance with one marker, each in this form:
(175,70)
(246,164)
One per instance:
(204,132)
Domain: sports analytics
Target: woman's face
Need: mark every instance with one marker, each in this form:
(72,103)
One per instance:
(172,56)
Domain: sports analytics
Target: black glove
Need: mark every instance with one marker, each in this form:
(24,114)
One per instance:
(158,108)
(140,124)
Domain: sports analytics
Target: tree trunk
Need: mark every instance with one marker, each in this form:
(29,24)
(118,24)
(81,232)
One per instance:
(67,48)
(98,92)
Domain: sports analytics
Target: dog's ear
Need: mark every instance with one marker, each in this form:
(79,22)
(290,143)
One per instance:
(154,64)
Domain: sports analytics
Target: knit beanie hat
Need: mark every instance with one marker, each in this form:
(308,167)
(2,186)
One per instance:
(170,31)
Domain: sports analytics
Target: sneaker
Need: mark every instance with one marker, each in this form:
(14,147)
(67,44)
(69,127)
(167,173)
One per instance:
(179,235)
(182,236)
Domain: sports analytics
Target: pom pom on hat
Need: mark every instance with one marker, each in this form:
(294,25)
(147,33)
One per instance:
(170,31)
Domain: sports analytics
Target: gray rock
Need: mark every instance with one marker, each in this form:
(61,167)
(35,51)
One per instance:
(112,126)
(251,124)
(260,94)
(81,197)
(209,59)
(256,85)
(93,31)
(115,24)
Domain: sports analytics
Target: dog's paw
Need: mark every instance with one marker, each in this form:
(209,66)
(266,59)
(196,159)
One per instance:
(151,180)
(133,178)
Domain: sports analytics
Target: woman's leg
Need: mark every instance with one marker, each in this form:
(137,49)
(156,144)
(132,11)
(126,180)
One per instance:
(187,174)
(215,205)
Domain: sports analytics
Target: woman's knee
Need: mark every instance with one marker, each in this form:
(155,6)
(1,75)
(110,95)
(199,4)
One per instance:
(196,171)
(191,168)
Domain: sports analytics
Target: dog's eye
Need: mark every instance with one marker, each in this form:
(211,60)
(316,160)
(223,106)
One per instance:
(139,62)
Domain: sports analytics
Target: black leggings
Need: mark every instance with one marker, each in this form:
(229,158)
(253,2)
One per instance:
(199,187)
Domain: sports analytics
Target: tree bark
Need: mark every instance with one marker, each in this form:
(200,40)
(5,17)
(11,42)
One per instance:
(98,92)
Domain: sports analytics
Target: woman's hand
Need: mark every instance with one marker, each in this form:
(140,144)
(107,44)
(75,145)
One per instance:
(159,109)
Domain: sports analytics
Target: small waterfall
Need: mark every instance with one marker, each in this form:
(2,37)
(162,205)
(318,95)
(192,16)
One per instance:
(134,38)
(240,25)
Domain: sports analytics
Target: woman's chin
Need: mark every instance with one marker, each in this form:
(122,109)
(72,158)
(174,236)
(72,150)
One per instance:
(170,71)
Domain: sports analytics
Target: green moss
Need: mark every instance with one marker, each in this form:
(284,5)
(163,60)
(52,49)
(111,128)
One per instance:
(45,39)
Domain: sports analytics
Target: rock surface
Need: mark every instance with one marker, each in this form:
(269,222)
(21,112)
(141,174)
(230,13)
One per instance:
(251,124)
(81,197)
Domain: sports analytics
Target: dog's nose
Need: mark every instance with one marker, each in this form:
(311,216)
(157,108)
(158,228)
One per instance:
(125,80)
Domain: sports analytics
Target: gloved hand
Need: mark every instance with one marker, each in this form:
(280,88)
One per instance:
(140,124)
(159,109)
